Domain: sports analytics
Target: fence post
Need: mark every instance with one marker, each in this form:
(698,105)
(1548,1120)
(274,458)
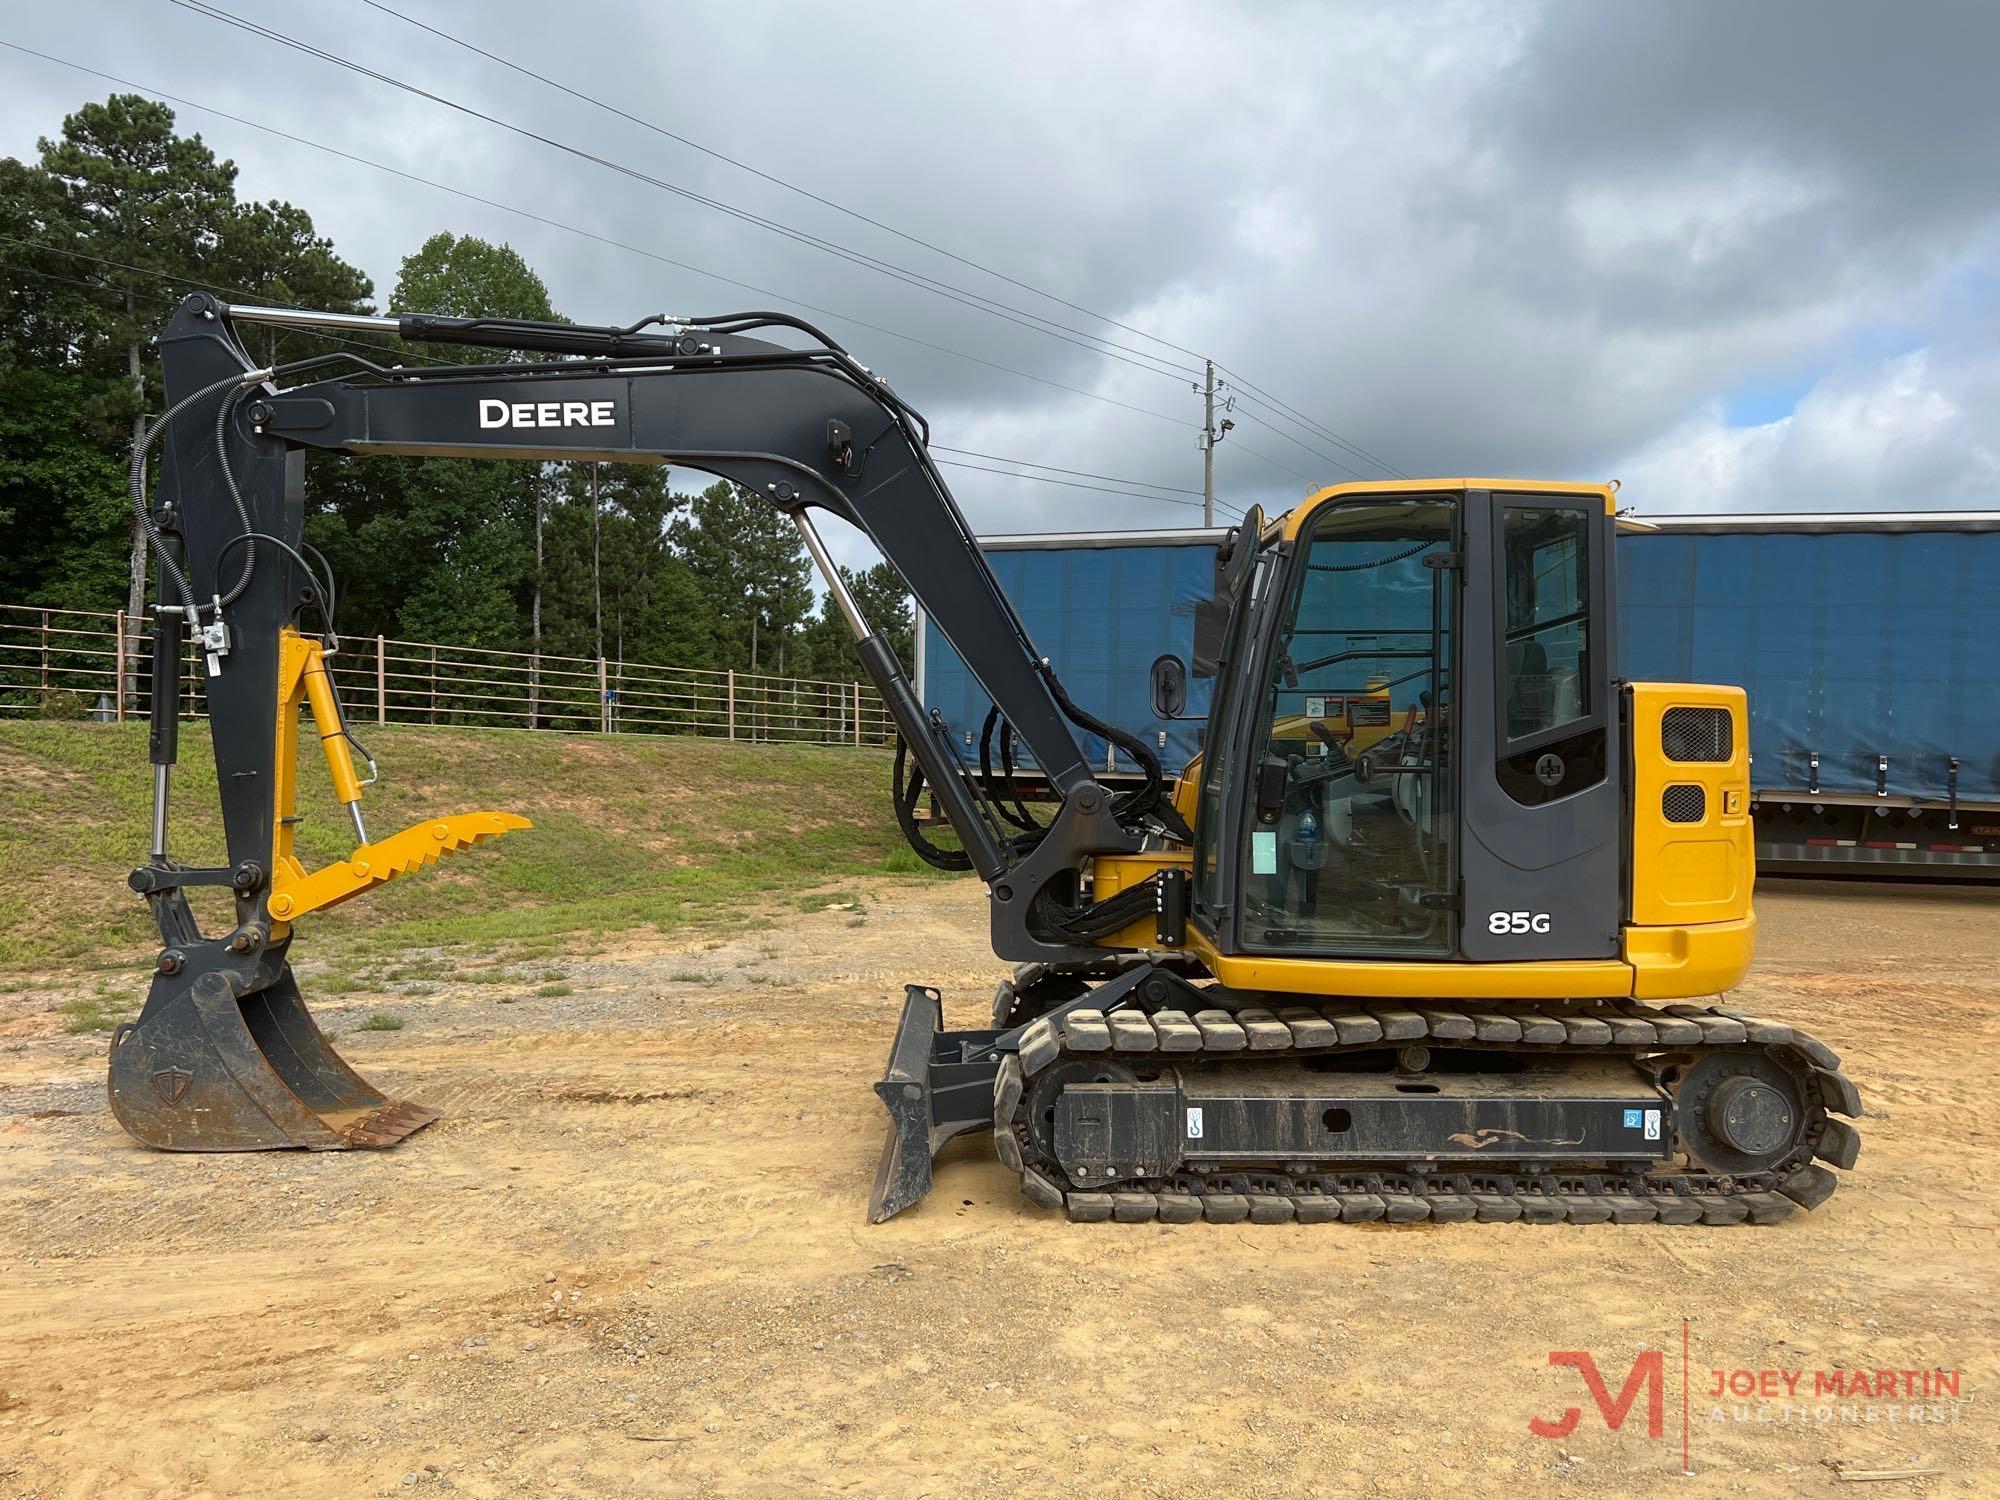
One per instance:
(45,653)
(603,700)
(434,684)
(732,703)
(857,713)
(381,681)
(119,682)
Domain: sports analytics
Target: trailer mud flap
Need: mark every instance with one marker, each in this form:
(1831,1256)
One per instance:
(211,1066)
(939,1085)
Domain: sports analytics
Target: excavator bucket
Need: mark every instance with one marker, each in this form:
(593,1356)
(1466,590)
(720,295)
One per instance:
(225,1055)
(209,1066)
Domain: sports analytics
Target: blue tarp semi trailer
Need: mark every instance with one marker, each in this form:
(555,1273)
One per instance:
(1869,646)
(1101,607)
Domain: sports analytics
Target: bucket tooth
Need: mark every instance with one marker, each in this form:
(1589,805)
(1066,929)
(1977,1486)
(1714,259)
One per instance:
(214,1064)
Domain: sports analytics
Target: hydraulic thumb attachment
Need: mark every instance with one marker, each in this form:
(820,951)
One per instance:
(225,1056)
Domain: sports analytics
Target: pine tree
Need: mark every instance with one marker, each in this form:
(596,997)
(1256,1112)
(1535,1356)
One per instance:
(748,562)
(442,549)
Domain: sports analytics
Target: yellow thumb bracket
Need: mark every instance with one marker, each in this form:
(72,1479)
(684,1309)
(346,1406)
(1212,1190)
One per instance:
(294,891)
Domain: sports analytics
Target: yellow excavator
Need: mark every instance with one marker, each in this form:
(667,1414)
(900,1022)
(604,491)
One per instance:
(1435,928)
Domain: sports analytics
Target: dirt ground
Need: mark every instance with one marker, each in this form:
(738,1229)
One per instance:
(632,1260)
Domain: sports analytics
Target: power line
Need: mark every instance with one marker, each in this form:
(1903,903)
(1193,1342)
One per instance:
(615,244)
(1317,428)
(458,41)
(1298,443)
(722,156)
(1058,469)
(678,264)
(1243,447)
(1035,322)
(1068,484)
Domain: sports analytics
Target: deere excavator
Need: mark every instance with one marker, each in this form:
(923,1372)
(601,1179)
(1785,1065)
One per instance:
(1435,927)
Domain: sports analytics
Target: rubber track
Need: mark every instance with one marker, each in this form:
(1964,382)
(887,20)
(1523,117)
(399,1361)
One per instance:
(1528,1194)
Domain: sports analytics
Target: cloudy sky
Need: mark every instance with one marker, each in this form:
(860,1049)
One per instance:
(1739,257)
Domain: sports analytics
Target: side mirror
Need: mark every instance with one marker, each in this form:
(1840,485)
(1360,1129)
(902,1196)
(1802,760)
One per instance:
(1169,687)
(1239,548)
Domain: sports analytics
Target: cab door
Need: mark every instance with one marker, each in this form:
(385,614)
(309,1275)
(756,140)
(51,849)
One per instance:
(1345,801)
(1542,767)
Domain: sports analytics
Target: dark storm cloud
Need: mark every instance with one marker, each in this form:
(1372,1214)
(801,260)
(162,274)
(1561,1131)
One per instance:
(1471,238)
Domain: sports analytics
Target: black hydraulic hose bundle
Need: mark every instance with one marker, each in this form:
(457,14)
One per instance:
(1011,806)
(142,513)
(908,788)
(1145,799)
(237,389)
(1092,924)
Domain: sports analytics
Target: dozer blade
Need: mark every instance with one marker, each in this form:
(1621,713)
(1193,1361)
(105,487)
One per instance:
(939,1085)
(211,1067)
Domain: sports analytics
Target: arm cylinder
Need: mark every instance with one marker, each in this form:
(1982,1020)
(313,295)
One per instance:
(881,664)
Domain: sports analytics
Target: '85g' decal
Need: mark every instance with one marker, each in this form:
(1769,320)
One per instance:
(1504,922)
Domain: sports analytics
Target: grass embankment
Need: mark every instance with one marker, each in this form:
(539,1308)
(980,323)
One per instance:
(630,832)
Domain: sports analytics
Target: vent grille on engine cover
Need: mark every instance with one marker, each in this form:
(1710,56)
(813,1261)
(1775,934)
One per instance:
(1683,803)
(1703,734)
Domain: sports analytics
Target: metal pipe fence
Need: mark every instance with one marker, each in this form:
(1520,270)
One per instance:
(77,664)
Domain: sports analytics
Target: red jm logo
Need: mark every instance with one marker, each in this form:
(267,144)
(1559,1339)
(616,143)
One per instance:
(1648,1370)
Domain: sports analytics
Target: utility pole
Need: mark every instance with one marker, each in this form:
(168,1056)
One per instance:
(596,559)
(1210,436)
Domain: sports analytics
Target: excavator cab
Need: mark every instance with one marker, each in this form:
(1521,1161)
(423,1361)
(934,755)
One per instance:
(1414,729)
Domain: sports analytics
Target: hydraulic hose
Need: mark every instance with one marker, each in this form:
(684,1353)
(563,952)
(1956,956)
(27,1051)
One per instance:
(141,445)
(904,796)
(1017,812)
(223,411)
(1090,924)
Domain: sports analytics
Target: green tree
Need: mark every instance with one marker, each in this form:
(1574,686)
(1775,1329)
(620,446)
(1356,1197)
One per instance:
(827,646)
(443,549)
(118,219)
(148,204)
(885,604)
(610,561)
(64,403)
(270,251)
(753,570)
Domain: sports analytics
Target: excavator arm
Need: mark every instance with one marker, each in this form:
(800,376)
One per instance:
(224,1055)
